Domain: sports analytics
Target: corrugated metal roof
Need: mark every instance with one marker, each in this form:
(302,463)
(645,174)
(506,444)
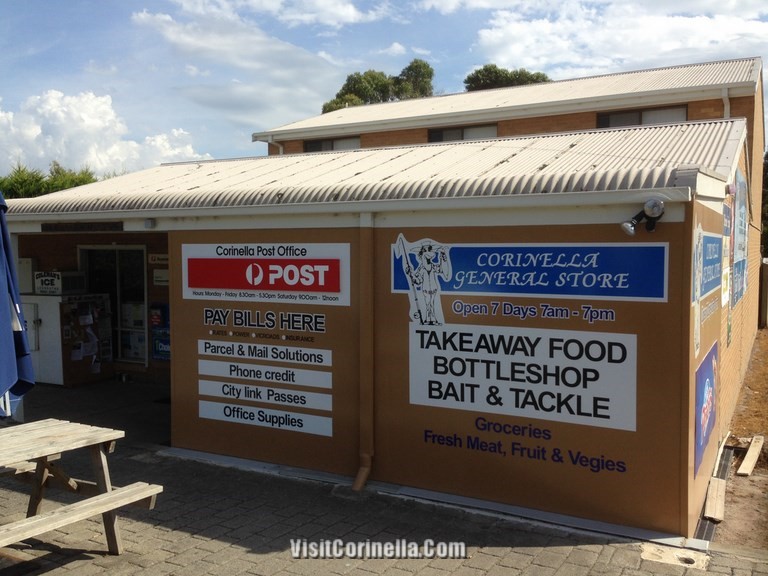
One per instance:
(597,160)
(651,87)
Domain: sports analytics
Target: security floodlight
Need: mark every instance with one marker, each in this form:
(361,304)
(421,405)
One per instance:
(652,211)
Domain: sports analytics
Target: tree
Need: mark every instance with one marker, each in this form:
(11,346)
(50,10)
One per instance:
(491,76)
(415,80)
(59,178)
(373,86)
(24,182)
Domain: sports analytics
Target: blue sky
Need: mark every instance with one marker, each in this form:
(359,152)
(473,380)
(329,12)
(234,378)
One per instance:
(118,85)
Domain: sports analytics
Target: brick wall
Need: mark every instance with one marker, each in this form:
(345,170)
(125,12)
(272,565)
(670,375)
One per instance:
(705,110)
(547,124)
(394,138)
(289,147)
(744,316)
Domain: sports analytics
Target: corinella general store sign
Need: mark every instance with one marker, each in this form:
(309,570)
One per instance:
(635,272)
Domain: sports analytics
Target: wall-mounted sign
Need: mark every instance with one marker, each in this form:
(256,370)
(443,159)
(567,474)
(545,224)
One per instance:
(285,273)
(705,412)
(636,272)
(560,375)
(58,283)
(158,259)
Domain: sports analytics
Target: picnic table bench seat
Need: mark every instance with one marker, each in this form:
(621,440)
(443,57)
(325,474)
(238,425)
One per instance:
(138,492)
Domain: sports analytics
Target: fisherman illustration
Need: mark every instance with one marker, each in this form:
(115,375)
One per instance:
(432,264)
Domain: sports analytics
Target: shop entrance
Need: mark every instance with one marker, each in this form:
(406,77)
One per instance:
(120,272)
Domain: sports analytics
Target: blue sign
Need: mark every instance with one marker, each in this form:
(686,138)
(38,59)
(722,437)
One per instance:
(711,273)
(706,404)
(598,271)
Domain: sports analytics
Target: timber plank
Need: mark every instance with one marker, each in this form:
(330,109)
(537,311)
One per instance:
(753,453)
(714,509)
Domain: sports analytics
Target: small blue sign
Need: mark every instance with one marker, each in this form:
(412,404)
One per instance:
(711,273)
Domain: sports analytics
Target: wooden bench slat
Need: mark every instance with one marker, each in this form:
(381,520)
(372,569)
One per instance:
(69,513)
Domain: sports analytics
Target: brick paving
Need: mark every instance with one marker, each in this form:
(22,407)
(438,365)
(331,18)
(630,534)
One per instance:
(213,519)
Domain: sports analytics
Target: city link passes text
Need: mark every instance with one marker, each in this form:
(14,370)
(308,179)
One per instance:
(395,549)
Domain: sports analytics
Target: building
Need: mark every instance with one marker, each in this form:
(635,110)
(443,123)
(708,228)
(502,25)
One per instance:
(547,321)
(723,89)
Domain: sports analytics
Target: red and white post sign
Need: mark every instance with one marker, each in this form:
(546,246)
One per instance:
(286,273)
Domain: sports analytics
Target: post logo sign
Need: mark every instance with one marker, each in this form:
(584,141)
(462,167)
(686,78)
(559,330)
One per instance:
(635,272)
(291,273)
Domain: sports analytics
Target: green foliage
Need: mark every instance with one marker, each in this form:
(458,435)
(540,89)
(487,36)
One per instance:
(343,102)
(59,178)
(373,86)
(491,76)
(24,182)
(414,81)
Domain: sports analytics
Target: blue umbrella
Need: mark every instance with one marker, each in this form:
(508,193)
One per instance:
(16,374)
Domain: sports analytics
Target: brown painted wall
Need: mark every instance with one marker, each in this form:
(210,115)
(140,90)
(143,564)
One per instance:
(207,413)
(413,441)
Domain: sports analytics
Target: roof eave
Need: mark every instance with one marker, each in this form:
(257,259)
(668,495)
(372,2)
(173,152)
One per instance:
(30,222)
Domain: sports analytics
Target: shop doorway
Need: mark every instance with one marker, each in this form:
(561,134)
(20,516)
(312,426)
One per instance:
(120,272)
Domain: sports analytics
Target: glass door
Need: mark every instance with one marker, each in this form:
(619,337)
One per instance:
(120,272)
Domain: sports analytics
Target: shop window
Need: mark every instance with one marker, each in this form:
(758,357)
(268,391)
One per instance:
(642,117)
(119,271)
(332,144)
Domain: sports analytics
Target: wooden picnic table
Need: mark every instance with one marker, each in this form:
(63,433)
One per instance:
(32,452)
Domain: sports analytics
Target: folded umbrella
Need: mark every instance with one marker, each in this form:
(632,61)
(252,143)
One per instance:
(16,373)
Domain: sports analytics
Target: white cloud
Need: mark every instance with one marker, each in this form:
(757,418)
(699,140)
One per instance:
(273,74)
(394,49)
(747,9)
(78,132)
(333,13)
(330,59)
(237,45)
(581,40)
(195,71)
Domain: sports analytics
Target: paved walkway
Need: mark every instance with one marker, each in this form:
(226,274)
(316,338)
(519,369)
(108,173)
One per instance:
(213,519)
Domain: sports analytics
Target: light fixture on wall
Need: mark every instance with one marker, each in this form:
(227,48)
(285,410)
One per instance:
(150,223)
(652,211)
